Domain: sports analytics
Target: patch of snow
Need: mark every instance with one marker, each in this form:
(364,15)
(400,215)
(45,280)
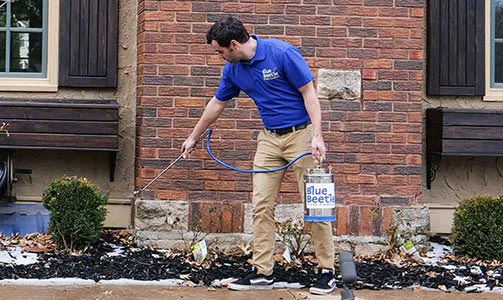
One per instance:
(16,256)
(435,255)
(78,281)
(118,251)
(462,280)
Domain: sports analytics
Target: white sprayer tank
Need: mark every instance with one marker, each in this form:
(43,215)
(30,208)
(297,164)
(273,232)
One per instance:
(319,196)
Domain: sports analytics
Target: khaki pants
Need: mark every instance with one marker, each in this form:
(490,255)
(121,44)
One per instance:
(275,151)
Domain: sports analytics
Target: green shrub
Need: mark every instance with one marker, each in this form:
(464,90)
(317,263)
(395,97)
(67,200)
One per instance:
(478,228)
(77,212)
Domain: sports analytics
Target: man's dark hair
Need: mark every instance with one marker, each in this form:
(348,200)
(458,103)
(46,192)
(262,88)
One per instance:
(227,29)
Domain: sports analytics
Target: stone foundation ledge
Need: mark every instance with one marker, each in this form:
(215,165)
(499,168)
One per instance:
(234,242)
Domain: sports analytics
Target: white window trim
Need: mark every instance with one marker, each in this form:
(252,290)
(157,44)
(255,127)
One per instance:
(491,94)
(50,83)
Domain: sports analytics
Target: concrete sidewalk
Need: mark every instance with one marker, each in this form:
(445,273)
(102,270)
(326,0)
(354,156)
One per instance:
(120,292)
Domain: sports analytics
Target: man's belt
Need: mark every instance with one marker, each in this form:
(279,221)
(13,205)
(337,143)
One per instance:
(283,131)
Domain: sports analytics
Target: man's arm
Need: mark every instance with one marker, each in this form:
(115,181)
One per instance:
(312,104)
(210,115)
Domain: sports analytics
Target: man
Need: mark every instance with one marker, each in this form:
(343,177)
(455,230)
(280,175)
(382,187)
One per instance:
(276,76)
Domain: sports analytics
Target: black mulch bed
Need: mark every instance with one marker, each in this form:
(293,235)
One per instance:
(148,264)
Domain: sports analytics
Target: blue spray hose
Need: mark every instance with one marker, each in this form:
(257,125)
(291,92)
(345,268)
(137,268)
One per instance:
(248,171)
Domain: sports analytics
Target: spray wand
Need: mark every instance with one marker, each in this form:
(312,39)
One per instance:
(171,164)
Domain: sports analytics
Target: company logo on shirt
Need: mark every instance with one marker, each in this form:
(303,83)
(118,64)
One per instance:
(270,74)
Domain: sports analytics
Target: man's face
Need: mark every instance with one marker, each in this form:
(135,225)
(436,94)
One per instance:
(227,53)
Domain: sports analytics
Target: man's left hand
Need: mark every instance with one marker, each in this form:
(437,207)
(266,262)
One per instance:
(318,149)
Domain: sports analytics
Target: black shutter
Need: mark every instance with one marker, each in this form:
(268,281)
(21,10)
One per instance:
(456,47)
(88,43)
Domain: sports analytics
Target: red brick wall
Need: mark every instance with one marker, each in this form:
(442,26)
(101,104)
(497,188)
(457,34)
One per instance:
(374,143)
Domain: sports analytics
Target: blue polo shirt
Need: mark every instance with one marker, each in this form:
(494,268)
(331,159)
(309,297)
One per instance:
(272,79)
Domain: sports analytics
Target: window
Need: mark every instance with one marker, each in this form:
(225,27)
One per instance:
(494,50)
(28,45)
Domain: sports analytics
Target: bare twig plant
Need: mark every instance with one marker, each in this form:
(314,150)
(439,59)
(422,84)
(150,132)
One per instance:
(294,236)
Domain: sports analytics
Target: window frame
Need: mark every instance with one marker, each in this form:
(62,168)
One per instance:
(492,93)
(49,82)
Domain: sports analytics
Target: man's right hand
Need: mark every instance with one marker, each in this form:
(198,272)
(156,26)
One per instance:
(187,147)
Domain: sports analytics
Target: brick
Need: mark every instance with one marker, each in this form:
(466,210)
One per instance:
(414,138)
(163,16)
(205,216)
(332,10)
(348,2)
(363,53)
(369,75)
(366,221)
(394,53)
(175,5)
(360,200)
(407,107)
(331,52)
(315,42)
(393,33)
(352,63)
(331,32)
(406,127)
(220,185)
(375,85)
(362,11)
(284,20)
(361,116)
(342,220)
(379,22)
(416,33)
(190,38)
(346,21)
(393,12)
(271,9)
(315,20)
(362,179)
(360,137)
(378,2)
(171,195)
(354,219)
(417,12)
(378,43)
(238,8)
(387,220)
(270,30)
(407,86)
(408,170)
(188,81)
(408,65)
(232,217)
(205,71)
(206,7)
(393,75)
(378,64)
(169,27)
(414,159)
(393,138)
(173,48)
(301,10)
(300,30)
(408,44)
(410,3)
(416,54)
(150,26)
(394,201)
(392,179)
